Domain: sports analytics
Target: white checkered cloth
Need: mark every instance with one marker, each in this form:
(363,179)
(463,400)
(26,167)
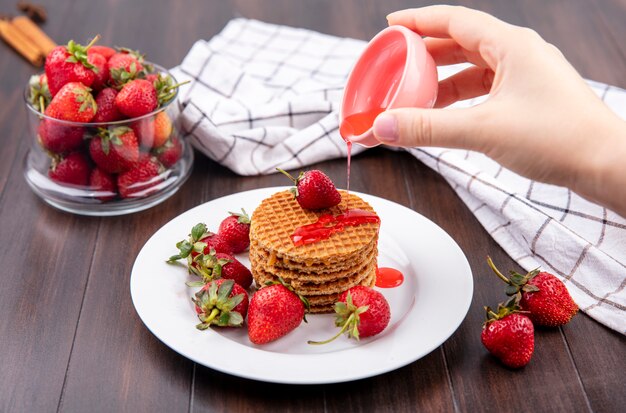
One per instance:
(264,96)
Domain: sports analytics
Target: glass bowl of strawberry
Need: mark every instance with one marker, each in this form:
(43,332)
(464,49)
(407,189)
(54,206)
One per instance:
(105,136)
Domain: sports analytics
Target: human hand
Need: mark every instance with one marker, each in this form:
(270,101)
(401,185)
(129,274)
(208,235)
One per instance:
(541,119)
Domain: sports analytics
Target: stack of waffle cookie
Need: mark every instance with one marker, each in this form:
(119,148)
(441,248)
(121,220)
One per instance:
(319,271)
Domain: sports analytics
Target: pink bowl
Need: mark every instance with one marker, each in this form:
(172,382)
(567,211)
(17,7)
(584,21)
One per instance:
(395,70)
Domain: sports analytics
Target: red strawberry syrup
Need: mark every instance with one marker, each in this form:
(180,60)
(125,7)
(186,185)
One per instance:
(328,225)
(354,125)
(388,277)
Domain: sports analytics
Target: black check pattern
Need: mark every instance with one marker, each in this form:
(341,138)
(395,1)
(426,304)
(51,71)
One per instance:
(264,96)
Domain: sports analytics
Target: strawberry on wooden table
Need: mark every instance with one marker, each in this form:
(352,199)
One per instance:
(169,153)
(541,294)
(235,230)
(314,190)
(509,335)
(114,150)
(141,179)
(221,303)
(73,102)
(361,312)
(65,64)
(72,169)
(274,311)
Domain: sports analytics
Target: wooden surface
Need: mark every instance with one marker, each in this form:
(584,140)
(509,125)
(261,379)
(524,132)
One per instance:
(70,339)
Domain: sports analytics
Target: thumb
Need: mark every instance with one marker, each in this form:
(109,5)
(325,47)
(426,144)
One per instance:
(426,127)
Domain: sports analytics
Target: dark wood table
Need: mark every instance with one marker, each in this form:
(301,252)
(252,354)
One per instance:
(70,339)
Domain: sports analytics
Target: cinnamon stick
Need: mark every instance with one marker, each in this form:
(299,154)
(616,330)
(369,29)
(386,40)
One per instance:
(34,33)
(24,46)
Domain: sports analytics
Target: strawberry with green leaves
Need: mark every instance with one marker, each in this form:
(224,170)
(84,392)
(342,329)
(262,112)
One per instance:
(274,311)
(235,230)
(314,189)
(220,303)
(142,179)
(101,70)
(201,242)
(72,169)
(541,294)
(40,95)
(124,67)
(361,312)
(114,150)
(65,64)
(509,335)
(73,103)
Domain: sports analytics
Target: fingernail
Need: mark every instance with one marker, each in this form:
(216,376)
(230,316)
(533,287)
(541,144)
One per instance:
(386,128)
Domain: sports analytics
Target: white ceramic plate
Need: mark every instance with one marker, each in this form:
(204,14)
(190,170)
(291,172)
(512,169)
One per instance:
(436,273)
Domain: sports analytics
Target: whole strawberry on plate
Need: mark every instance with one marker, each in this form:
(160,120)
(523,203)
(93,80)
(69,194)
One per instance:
(274,312)
(361,312)
(235,230)
(200,241)
(314,189)
(541,294)
(216,265)
(221,303)
(509,335)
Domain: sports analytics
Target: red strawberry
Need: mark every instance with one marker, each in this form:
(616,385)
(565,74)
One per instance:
(102,71)
(274,312)
(152,77)
(200,241)
(221,303)
(137,98)
(235,230)
(73,169)
(103,182)
(105,51)
(107,111)
(509,335)
(123,67)
(314,190)
(361,312)
(114,150)
(73,102)
(69,63)
(231,269)
(59,137)
(154,131)
(141,180)
(169,153)
(543,295)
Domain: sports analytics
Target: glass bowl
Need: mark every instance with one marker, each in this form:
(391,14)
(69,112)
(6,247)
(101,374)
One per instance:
(59,158)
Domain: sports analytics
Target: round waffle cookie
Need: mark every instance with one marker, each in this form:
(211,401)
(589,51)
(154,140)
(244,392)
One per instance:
(320,271)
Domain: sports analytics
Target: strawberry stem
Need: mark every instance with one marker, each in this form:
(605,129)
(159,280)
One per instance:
(92,42)
(497,272)
(42,103)
(287,175)
(349,321)
(211,316)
